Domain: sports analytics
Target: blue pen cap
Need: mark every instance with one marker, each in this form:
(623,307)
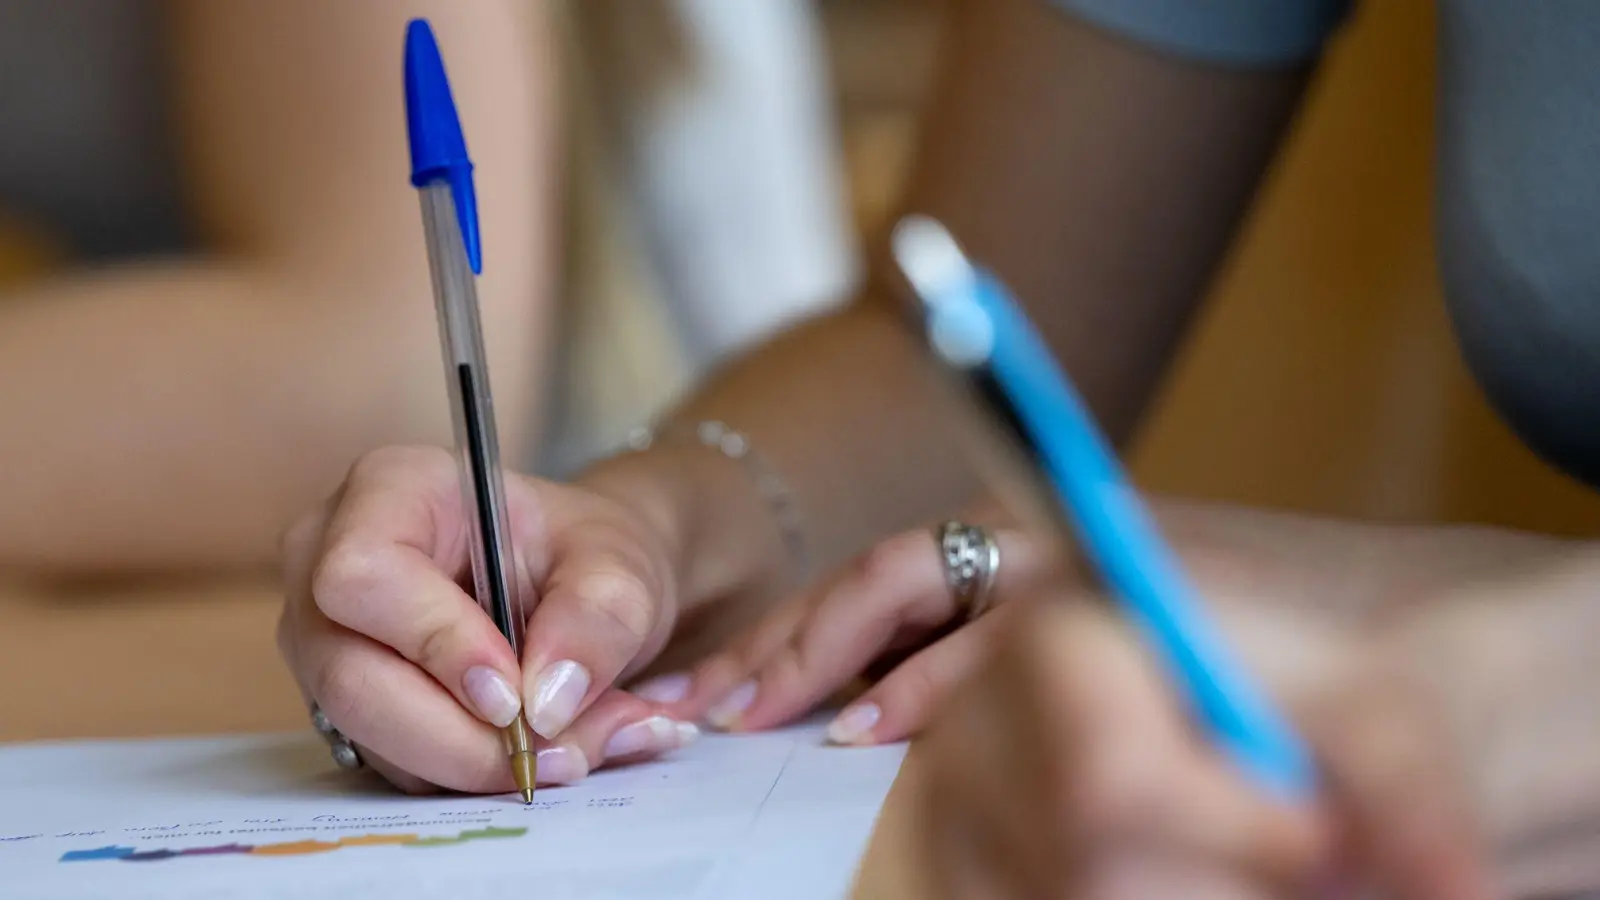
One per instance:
(438,148)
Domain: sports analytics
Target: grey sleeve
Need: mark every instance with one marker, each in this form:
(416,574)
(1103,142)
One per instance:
(1246,33)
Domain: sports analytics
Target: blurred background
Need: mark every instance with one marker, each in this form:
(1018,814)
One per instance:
(708,146)
(1324,375)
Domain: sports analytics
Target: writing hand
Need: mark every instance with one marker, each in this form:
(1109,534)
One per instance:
(380,633)
(1067,769)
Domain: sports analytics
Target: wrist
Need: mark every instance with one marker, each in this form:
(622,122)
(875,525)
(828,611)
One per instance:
(711,521)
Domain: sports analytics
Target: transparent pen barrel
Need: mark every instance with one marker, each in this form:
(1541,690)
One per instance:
(494,562)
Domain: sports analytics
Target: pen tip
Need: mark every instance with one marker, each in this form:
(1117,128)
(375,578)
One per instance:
(527,796)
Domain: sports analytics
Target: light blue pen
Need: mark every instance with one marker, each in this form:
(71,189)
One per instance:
(979,333)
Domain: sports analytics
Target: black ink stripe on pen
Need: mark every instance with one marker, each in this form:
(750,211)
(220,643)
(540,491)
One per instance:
(499,605)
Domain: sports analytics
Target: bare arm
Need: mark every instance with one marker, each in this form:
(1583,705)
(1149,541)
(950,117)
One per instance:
(1101,180)
(174,415)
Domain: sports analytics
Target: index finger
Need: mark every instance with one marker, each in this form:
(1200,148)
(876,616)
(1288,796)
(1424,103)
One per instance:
(394,552)
(411,497)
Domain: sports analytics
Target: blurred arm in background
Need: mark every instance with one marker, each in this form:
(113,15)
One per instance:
(1103,181)
(733,159)
(711,209)
(172,414)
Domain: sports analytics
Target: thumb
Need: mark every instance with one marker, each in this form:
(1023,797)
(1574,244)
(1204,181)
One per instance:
(1395,792)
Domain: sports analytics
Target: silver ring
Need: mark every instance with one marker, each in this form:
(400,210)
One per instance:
(345,754)
(971,560)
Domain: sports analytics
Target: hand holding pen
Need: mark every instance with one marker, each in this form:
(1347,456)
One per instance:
(1116,746)
(436,603)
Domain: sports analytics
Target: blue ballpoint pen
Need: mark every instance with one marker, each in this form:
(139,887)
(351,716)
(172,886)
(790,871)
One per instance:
(441,171)
(1068,473)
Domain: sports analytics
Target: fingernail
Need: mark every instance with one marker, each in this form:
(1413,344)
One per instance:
(854,723)
(562,764)
(497,703)
(663,689)
(726,713)
(652,735)
(688,733)
(556,696)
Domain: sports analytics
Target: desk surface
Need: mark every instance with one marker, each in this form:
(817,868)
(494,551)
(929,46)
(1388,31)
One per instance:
(189,660)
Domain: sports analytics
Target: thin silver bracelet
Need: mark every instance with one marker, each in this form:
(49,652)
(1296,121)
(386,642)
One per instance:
(734,445)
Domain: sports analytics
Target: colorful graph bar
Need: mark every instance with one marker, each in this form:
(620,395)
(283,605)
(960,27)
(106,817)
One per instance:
(291,848)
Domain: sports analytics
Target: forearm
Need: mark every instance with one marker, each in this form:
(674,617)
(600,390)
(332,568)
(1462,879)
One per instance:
(1102,179)
(1351,572)
(173,417)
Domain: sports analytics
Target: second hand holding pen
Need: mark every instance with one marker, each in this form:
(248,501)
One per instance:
(442,173)
(1063,468)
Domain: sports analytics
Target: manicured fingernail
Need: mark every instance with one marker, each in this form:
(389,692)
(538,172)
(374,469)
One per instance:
(497,703)
(663,689)
(687,733)
(854,723)
(726,713)
(653,735)
(562,764)
(556,696)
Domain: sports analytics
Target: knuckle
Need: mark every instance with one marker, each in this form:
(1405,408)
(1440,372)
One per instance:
(741,652)
(734,663)
(907,546)
(380,463)
(847,613)
(432,470)
(911,687)
(620,597)
(1029,560)
(884,562)
(785,671)
(437,641)
(718,674)
(781,626)
(344,577)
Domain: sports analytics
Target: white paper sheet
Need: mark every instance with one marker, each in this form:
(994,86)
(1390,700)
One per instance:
(778,816)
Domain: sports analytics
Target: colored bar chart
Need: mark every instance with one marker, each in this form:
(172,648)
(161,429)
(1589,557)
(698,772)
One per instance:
(290,848)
